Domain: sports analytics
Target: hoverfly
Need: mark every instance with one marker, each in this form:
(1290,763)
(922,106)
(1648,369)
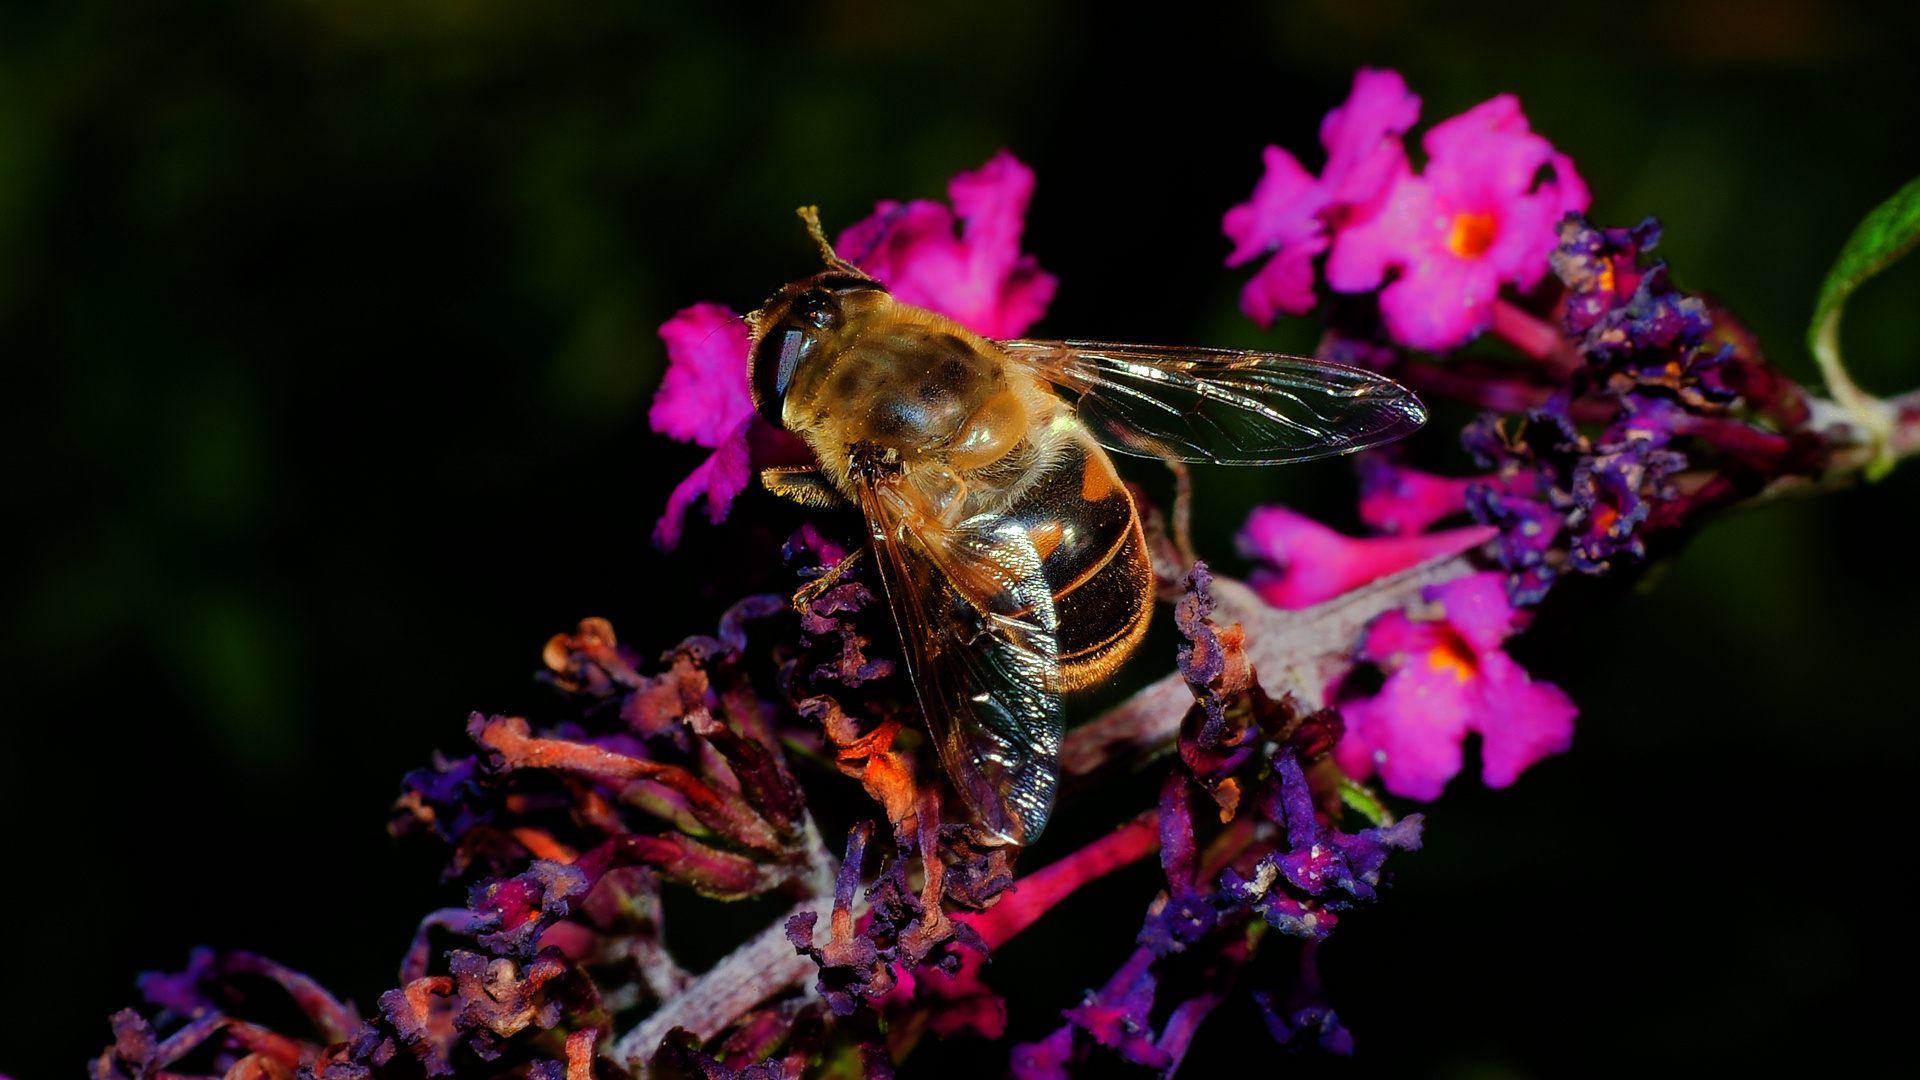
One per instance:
(1011,554)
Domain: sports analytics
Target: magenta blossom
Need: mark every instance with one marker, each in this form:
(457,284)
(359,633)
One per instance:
(1308,562)
(703,399)
(1395,499)
(1289,213)
(1478,217)
(978,278)
(1401,501)
(1447,675)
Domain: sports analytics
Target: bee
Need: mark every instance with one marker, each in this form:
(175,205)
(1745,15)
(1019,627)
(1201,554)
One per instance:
(1012,556)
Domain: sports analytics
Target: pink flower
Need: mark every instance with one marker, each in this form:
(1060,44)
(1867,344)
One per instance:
(978,278)
(1288,213)
(1311,563)
(1362,137)
(1479,216)
(1402,501)
(1447,675)
(703,399)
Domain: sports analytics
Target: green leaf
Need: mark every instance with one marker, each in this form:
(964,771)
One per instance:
(1358,799)
(1889,231)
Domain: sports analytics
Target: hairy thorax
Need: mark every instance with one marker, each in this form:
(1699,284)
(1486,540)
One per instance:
(918,396)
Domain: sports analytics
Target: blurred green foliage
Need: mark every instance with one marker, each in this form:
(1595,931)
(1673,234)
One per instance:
(326,330)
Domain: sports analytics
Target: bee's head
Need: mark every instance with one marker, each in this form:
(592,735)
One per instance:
(798,320)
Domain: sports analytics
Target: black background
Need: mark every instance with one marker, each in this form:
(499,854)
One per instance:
(327,339)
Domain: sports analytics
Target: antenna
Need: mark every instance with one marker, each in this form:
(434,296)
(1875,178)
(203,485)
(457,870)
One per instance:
(811,215)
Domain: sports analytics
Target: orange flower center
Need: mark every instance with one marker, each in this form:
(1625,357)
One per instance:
(1472,235)
(1604,516)
(1454,654)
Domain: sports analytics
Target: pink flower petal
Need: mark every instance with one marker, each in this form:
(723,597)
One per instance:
(1516,254)
(1284,284)
(1441,302)
(1488,151)
(1049,1059)
(1364,249)
(1446,677)
(1520,721)
(703,397)
(1405,501)
(1316,563)
(1284,210)
(1476,607)
(1474,219)
(978,278)
(719,478)
(1571,190)
(1362,137)
(1410,732)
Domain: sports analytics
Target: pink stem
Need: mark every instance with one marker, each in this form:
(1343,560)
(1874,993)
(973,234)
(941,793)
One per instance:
(1535,337)
(1039,891)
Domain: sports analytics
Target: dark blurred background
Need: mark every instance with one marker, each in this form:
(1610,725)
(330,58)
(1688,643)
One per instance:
(328,334)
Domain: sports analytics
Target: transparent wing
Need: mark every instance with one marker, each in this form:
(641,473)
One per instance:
(1222,405)
(976,620)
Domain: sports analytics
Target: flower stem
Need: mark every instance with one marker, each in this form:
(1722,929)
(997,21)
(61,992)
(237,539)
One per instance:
(1535,337)
(1873,416)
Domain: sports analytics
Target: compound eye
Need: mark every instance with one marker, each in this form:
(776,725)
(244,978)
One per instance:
(818,307)
(771,370)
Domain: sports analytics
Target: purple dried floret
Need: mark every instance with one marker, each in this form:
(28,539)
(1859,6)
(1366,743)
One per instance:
(135,1050)
(1176,1035)
(1290,889)
(976,872)
(733,623)
(764,780)
(1658,316)
(1317,1024)
(1637,331)
(182,995)
(850,597)
(1596,265)
(447,799)
(1485,438)
(1116,1016)
(851,667)
(510,914)
(1183,915)
(1528,531)
(1307,1016)
(497,998)
(1654,317)
(458,920)
(1552,440)
(1047,1059)
(1201,660)
(1612,493)
(852,968)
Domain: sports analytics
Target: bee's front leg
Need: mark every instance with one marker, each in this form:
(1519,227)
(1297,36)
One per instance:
(828,578)
(803,484)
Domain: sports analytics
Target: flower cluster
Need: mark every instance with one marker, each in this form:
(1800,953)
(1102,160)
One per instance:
(1446,674)
(1479,216)
(1636,411)
(1633,411)
(1275,862)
